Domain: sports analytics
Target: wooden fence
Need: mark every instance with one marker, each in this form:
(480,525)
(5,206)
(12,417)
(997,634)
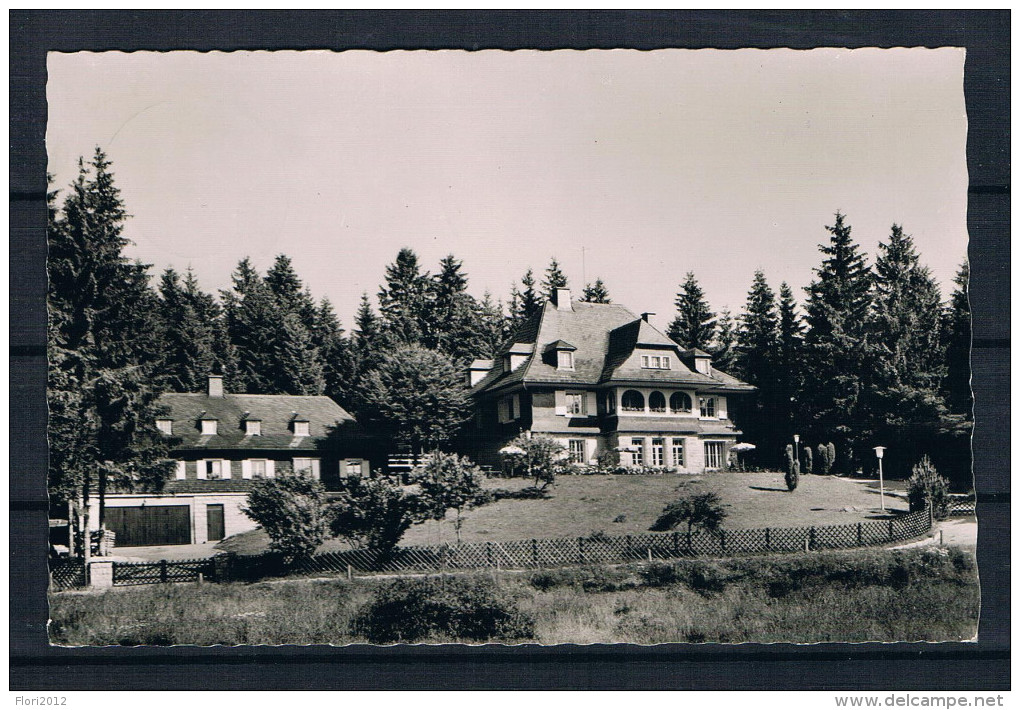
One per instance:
(67,573)
(129,573)
(597,549)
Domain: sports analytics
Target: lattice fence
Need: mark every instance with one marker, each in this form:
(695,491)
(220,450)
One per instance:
(962,508)
(525,554)
(67,574)
(127,573)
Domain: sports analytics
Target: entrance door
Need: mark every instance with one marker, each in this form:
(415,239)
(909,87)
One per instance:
(214,521)
(150,525)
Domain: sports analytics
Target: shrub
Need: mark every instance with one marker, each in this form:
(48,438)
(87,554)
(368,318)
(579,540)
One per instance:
(292,511)
(793,477)
(594,579)
(925,485)
(376,512)
(809,463)
(823,459)
(701,511)
(449,481)
(529,493)
(471,609)
(608,460)
(705,578)
(536,456)
(830,452)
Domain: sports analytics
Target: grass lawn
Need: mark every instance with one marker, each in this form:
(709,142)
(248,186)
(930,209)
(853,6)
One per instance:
(922,594)
(623,505)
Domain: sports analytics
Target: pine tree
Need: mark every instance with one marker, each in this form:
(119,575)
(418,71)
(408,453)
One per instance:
(909,361)
(209,312)
(957,330)
(296,365)
(103,340)
(694,325)
(253,323)
(790,355)
(554,279)
(596,293)
(724,349)
(334,352)
(189,342)
(290,293)
(450,322)
(837,344)
(757,353)
(530,304)
(489,329)
(404,299)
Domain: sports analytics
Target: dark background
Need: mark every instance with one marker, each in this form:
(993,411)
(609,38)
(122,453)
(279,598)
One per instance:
(957,666)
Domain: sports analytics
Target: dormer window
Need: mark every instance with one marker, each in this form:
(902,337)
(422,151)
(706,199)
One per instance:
(656,362)
(560,352)
(209,427)
(253,427)
(564,360)
(166,426)
(300,427)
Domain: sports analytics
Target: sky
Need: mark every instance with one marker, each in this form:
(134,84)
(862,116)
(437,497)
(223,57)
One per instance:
(635,167)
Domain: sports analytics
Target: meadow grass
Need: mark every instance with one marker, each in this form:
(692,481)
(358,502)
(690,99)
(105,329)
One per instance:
(920,594)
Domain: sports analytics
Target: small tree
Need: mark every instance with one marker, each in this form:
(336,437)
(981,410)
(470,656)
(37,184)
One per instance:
(792,469)
(292,510)
(823,459)
(376,512)
(537,455)
(701,511)
(449,481)
(925,486)
(830,449)
(809,463)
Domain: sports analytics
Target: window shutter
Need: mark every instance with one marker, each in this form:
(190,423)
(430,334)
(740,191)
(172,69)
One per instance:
(590,407)
(200,468)
(227,469)
(366,468)
(561,403)
(501,408)
(517,406)
(182,469)
(589,450)
(246,468)
(720,407)
(270,472)
(315,469)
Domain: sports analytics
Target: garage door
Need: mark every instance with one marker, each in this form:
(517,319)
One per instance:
(150,525)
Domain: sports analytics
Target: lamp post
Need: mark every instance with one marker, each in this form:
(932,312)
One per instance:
(796,448)
(879,452)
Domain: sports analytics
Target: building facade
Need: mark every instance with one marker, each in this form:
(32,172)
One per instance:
(599,378)
(223,442)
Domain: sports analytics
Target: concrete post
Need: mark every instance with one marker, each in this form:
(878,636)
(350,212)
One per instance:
(101,574)
(223,567)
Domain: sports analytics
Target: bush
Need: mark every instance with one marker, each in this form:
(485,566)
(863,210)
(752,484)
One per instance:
(809,463)
(830,454)
(529,493)
(449,481)
(535,456)
(442,609)
(292,511)
(594,579)
(793,477)
(376,512)
(701,511)
(705,578)
(924,486)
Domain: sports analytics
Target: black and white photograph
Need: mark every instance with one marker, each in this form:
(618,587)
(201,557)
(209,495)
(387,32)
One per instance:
(524,348)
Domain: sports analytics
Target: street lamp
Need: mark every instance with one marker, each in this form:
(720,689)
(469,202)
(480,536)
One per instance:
(796,444)
(879,451)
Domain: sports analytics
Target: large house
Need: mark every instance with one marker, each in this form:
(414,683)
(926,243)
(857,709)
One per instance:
(599,378)
(222,442)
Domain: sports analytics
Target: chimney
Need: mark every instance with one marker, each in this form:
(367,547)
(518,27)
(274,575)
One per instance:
(563,300)
(216,385)
(645,315)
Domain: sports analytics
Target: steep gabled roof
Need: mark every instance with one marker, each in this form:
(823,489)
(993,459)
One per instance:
(277,411)
(603,336)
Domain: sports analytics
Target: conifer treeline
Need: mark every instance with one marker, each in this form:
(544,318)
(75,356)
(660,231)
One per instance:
(876,359)
(874,354)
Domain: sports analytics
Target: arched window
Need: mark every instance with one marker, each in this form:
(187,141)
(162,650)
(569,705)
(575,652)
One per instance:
(657,402)
(708,406)
(610,401)
(633,401)
(680,402)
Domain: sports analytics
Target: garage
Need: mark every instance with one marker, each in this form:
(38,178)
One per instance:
(150,525)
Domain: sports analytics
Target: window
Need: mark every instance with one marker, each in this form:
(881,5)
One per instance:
(708,406)
(680,402)
(637,454)
(353,467)
(565,360)
(300,428)
(165,425)
(576,450)
(209,427)
(655,362)
(252,427)
(214,469)
(713,455)
(678,452)
(633,401)
(306,467)
(658,452)
(575,403)
(258,468)
(610,401)
(657,402)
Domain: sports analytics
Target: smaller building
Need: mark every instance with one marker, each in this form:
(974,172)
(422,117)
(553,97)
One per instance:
(224,442)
